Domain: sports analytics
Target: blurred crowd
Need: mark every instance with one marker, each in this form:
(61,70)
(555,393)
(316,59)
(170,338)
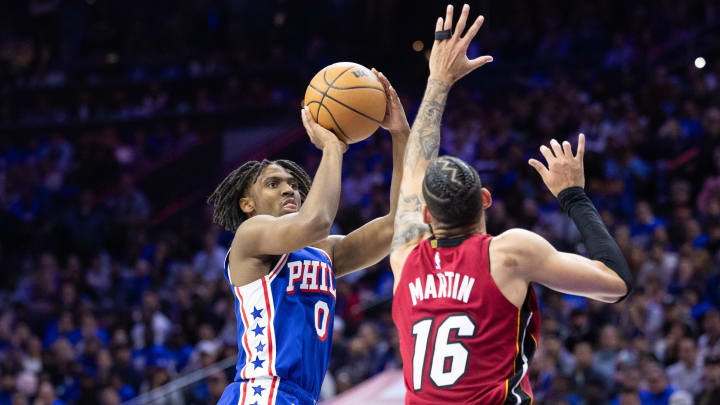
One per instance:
(98,305)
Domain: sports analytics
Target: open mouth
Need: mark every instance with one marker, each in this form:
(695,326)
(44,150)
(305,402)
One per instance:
(290,206)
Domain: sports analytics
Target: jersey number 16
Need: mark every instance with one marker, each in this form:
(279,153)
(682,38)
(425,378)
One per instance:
(441,374)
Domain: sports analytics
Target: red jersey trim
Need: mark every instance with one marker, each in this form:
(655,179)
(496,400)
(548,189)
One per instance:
(242,401)
(270,324)
(246,325)
(273,392)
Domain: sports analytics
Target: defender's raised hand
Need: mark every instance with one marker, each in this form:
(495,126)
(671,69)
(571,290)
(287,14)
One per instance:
(564,170)
(448,58)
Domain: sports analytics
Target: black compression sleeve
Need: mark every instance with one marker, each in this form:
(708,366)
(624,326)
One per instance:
(600,245)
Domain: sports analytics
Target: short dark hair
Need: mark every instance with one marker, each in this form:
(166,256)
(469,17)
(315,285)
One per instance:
(225,199)
(452,192)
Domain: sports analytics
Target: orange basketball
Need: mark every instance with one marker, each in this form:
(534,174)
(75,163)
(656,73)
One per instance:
(347,99)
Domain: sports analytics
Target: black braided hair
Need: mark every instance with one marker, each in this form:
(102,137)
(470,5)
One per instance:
(226,197)
(452,192)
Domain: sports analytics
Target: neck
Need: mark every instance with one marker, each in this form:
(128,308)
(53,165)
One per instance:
(442,232)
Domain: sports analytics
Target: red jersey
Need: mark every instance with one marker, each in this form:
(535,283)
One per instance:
(461,340)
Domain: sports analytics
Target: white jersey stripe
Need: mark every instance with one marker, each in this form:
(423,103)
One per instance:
(246,324)
(273,391)
(272,343)
(259,308)
(241,397)
(260,391)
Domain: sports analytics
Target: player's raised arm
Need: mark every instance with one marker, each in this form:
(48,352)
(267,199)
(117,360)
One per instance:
(368,244)
(274,235)
(605,276)
(448,63)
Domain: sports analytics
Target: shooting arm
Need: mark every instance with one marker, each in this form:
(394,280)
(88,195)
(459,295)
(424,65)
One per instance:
(269,235)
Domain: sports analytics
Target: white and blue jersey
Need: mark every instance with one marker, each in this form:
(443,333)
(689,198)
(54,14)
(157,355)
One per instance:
(285,325)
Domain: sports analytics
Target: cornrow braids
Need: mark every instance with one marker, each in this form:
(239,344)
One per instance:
(225,199)
(452,191)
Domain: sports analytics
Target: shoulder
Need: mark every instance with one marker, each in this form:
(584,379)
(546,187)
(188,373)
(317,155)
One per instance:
(516,248)
(253,223)
(516,233)
(328,245)
(249,227)
(517,240)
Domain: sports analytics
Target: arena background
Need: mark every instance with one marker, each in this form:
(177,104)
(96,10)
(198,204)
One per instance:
(118,118)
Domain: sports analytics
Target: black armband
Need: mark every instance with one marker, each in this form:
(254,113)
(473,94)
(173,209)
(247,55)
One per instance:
(600,245)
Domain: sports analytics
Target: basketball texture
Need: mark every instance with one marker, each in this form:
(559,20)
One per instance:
(347,99)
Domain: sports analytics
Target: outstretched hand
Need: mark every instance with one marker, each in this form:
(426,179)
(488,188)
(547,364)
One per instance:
(319,136)
(564,170)
(448,58)
(395,119)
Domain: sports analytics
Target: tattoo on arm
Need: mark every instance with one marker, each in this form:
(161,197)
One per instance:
(406,233)
(423,146)
(408,221)
(424,141)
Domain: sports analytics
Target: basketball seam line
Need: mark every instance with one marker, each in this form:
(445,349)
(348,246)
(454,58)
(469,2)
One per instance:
(332,118)
(347,88)
(346,106)
(357,87)
(328,89)
(347,139)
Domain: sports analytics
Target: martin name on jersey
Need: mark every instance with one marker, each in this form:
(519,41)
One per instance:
(447,284)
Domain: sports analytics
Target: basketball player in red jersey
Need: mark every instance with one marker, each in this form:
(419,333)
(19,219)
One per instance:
(464,307)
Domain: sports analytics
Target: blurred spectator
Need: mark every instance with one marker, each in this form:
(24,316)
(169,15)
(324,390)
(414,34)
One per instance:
(585,379)
(658,390)
(209,263)
(710,393)
(46,395)
(709,342)
(606,357)
(686,374)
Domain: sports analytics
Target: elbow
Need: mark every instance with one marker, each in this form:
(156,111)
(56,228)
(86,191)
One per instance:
(318,227)
(618,290)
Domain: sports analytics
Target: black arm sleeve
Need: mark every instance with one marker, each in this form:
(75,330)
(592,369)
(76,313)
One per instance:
(601,246)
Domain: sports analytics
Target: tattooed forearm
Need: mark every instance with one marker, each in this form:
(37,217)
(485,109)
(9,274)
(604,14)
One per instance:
(407,233)
(424,141)
(411,202)
(408,221)
(423,146)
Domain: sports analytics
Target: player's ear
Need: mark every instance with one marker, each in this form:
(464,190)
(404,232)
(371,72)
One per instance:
(427,218)
(486,197)
(247,205)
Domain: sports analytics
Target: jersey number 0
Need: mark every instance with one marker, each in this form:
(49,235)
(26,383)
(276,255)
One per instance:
(442,374)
